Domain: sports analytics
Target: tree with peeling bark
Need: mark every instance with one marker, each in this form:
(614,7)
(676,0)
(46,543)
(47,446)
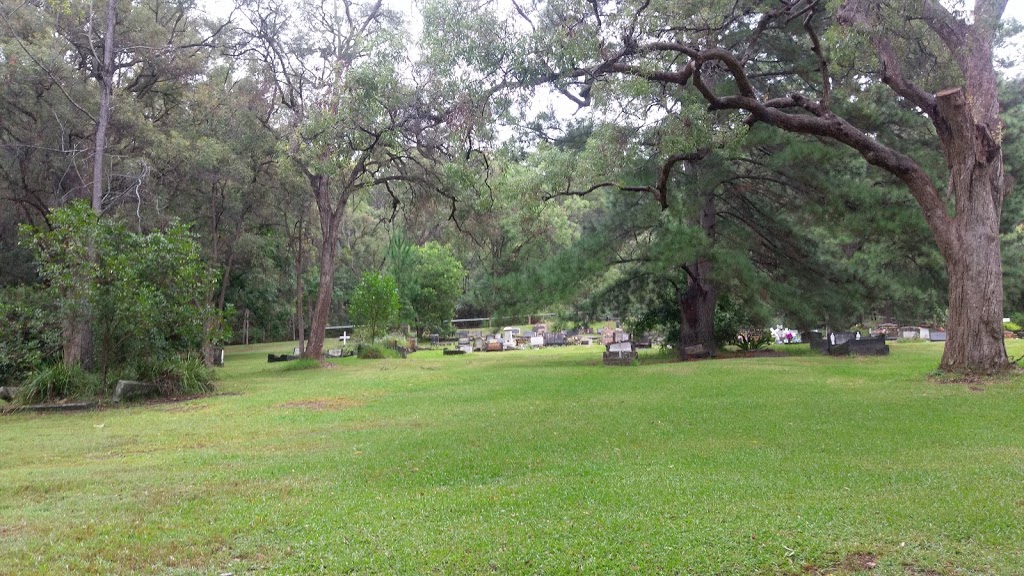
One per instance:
(342,108)
(789,64)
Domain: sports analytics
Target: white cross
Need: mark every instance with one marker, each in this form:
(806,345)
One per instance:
(344,338)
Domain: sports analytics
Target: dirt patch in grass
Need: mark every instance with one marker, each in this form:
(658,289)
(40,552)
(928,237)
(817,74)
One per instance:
(323,404)
(8,531)
(851,564)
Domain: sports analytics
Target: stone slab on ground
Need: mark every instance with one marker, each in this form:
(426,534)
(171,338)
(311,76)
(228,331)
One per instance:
(66,407)
(620,358)
(128,389)
(8,393)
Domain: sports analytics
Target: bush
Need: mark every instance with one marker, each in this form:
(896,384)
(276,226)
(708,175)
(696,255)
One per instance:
(176,376)
(58,382)
(754,340)
(376,352)
(31,335)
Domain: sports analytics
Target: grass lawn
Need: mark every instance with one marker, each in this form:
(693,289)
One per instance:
(539,462)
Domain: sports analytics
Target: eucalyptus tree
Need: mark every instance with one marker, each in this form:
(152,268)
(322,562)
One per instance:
(342,107)
(68,64)
(789,65)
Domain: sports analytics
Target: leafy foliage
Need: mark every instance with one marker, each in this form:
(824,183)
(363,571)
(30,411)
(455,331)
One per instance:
(436,288)
(374,304)
(754,340)
(145,293)
(30,338)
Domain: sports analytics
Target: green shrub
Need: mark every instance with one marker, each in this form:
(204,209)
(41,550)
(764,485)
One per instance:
(59,382)
(31,335)
(754,340)
(376,352)
(1011,326)
(176,376)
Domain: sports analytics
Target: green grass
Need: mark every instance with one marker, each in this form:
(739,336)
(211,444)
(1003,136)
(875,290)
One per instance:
(539,462)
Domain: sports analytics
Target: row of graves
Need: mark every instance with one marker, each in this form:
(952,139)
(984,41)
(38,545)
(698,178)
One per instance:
(846,344)
(896,332)
(513,338)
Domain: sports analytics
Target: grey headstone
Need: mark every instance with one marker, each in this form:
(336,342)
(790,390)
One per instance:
(128,389)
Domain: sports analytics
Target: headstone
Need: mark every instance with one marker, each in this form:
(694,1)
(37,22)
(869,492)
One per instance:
(537,341)
(863,347)
(937,336)
(344,338)
(435,339)
(218,357)
(820,343)
(619,354)
(554,339)
(8,393)
(128,389)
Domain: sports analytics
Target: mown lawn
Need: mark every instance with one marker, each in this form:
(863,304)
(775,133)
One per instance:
(538,462)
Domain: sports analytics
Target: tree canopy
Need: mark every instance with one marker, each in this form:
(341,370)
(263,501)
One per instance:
(680,166)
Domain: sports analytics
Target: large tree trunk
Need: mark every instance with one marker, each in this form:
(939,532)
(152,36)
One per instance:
(697,303)
(975,335)
(697,313)
(972,251)
(331,215)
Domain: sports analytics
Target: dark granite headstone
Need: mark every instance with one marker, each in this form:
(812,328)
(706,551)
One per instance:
(863,347)
(937,336)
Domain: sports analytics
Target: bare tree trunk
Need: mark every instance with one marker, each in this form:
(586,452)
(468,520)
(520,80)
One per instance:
(330,224)
(299,289)
(106,81)
(77,330)
(76,336)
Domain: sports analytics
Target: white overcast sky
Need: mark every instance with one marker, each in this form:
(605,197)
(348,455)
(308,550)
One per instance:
(1014,9)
